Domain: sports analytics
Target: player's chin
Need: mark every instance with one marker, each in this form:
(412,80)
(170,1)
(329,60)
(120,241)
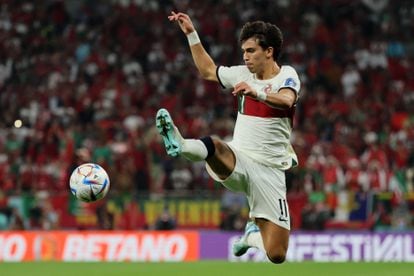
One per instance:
(251,69)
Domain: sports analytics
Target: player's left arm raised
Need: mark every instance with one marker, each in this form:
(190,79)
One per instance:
(284,99)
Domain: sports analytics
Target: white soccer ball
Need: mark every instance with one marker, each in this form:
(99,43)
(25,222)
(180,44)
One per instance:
(89,182)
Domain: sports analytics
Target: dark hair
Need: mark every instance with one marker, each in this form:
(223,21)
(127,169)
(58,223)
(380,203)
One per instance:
(268,35)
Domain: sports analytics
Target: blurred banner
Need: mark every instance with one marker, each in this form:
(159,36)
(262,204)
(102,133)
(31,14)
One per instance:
(94,246)
(189,213)
(322,247)
(179,246)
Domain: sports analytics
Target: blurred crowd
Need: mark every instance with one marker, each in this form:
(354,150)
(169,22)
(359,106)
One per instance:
(81,81)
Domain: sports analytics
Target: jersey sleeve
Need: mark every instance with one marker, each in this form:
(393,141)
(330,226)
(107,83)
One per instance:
(290,79)
(230,76)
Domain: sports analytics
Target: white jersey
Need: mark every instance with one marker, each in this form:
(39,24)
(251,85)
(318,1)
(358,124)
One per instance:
(263,132)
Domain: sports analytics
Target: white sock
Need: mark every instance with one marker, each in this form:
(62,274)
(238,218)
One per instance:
(194,150)
(255,240)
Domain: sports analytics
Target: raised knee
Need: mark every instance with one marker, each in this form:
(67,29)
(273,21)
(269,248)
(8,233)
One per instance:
(277,256)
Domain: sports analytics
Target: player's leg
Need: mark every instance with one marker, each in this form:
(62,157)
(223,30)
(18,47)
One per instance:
(218,154)
(251,238)
(266,236)
(221,161)
(269,211)
(275,240)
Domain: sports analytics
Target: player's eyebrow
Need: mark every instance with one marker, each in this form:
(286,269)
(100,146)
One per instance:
(248,49)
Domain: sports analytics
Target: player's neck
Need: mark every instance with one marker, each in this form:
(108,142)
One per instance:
(269,72)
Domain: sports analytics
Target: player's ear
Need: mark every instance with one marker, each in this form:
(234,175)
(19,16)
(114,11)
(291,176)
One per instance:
(269,52)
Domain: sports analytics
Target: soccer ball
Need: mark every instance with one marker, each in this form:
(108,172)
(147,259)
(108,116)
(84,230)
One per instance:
(89,182)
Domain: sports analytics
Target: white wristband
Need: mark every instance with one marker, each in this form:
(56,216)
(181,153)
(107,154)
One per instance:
(261,96)
(193,38)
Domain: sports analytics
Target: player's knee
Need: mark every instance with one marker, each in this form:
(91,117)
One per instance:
(277,256)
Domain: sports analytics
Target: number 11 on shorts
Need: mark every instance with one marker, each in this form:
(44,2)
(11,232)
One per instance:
(284,215)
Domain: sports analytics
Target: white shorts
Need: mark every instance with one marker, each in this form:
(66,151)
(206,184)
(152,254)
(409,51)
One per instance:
(265,188)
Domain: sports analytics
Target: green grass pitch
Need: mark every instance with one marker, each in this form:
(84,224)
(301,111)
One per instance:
(206,268)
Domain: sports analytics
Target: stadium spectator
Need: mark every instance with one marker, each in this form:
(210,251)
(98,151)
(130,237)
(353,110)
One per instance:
(165,221)
(233,215)
(16,221)
(381,217)
(181,178)
(105,216)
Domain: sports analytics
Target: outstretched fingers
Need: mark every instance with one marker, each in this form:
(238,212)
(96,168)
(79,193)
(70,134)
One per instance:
(183,20)
(173,16)
(178,16)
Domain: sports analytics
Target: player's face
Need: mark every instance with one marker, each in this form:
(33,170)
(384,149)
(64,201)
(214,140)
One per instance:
(254,56)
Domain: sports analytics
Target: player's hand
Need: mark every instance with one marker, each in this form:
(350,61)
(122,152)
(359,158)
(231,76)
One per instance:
(183,20)
(244,89)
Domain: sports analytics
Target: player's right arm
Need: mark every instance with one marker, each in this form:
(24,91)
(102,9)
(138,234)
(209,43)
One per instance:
(202,59)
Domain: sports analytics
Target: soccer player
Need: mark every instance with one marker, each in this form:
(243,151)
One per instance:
(255,161)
